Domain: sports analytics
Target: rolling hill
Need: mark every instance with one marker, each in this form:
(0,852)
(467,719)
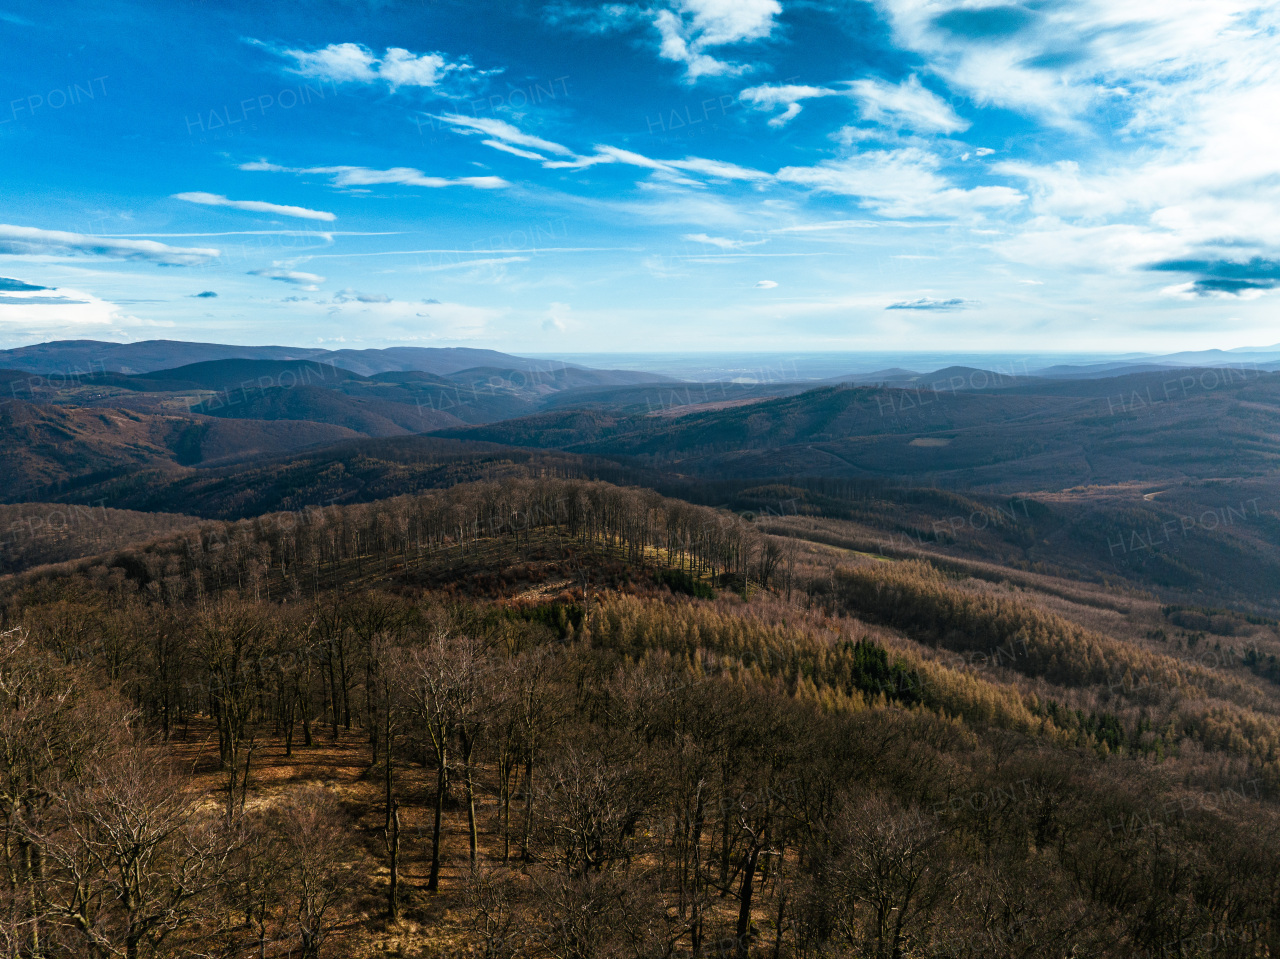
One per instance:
(1046,436)
(368,415)
(46,450)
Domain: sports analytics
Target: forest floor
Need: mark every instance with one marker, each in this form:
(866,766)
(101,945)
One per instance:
(431,925)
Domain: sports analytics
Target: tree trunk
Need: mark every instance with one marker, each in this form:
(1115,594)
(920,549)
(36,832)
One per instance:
(505,787)
(744,907)
(695,919)
(388,773)
(528,808)
(433,879)
(289,714)
(333,691)
(472,839)
(393,847)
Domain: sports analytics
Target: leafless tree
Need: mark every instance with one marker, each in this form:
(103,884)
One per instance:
(441,684)
(319,857)
(133,859)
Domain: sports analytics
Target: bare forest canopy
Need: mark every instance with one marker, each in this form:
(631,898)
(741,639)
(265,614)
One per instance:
(558,717)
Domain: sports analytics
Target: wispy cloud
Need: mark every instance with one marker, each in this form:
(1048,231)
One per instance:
(359,176)
(461,264)
(770,97)
(308,281)
(511,139)
(722,242)
(508,134)
(929,303)
(9,299)
(355,296)
(676,169)
(254,206)
(826,226)
(901,183)
(906,105)
(31,241)
(356,63)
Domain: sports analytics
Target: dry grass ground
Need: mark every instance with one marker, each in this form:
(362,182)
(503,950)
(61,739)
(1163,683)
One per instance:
(432,925)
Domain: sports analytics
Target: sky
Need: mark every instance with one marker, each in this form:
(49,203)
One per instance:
(666,175)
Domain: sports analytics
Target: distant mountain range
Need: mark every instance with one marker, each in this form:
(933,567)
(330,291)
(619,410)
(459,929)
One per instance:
(82,357)
(972,427)
(846,366)
(70,357)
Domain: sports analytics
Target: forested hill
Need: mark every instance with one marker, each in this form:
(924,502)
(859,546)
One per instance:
(1020,438)
(561,718)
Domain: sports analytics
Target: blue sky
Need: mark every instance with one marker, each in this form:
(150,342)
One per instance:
(669,175)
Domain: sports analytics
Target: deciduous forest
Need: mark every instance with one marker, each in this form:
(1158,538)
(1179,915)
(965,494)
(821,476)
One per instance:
(561,718)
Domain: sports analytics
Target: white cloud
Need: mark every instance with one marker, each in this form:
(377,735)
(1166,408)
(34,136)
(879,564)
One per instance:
(717,22)
(718,169)
(510,139)
(1193,173)
(1059,190)
(501,130)
(826,225)
(676,46)
(1050,244)
(1058,61)
(71,312)
(30,241)
(338,62)
(688,29)
(557,319)
(900,183)
(308,281)
(514,151)
(907,104)
(722,242)
(358,176)
(401,68)
(264,166)
(255,206)
(1171,164)
(404,176)
(356,63)
(355,296)
(461,264)
(766,285)
(578,163)
(932,303)
(769,97)
(675,169)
